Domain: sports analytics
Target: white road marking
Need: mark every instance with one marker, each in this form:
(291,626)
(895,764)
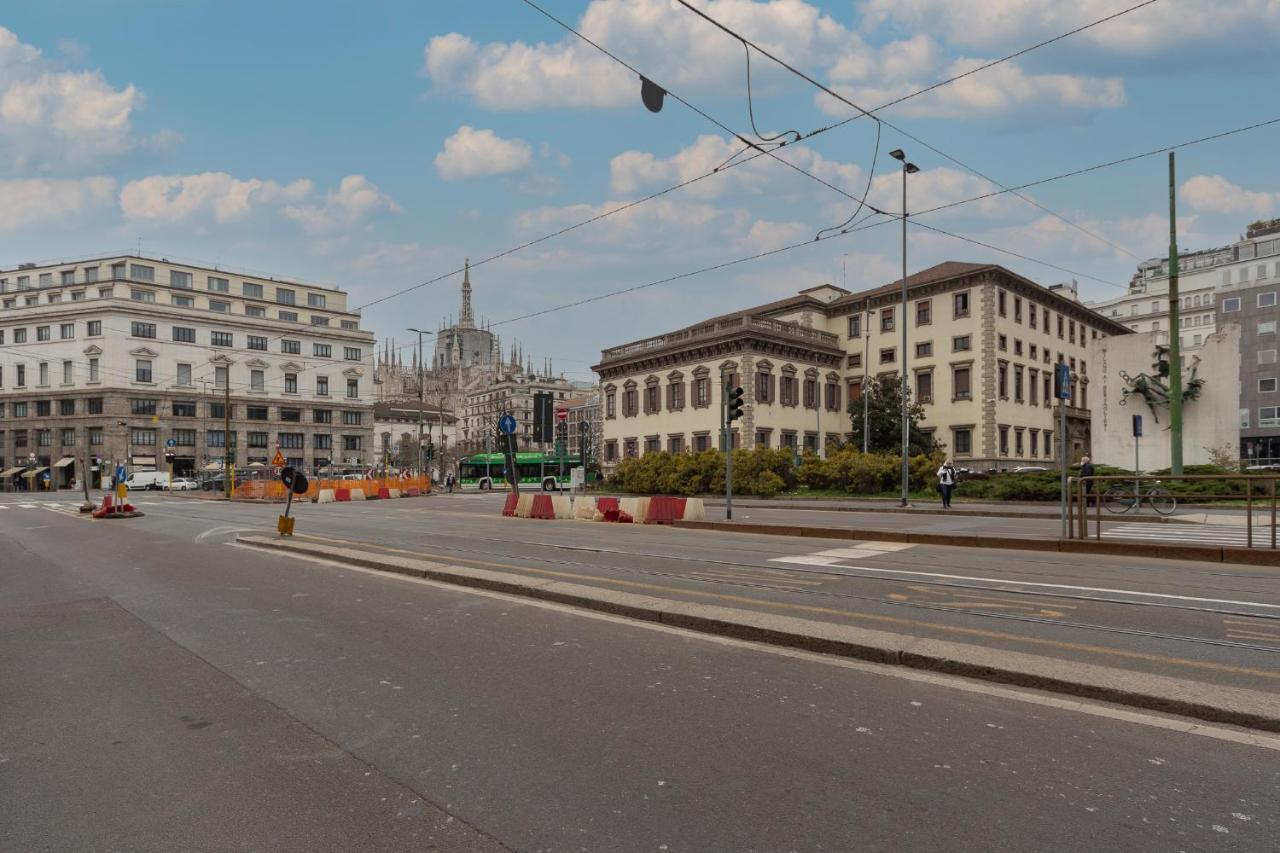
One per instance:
(1174,724)
(1005,583)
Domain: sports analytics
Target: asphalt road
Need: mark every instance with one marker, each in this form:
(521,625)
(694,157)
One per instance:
(167,691)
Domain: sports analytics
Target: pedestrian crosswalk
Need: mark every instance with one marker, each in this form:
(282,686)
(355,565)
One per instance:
(67,508)
(1217,535)
(835,556)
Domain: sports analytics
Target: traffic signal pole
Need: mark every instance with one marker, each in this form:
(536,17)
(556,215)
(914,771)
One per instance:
(730,411)
(1175,336)
(226,435)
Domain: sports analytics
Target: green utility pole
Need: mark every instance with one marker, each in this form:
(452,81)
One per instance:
(1175,336)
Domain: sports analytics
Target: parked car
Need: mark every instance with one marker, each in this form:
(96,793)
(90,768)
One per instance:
(1029,469)
(147,481)
(183,484)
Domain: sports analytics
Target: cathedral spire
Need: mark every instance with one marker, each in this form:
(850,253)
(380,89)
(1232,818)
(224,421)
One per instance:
(466,320)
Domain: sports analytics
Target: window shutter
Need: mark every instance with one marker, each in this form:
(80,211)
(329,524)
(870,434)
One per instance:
(773,387)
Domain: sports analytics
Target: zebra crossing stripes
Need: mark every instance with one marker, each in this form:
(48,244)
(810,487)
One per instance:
(1188,534)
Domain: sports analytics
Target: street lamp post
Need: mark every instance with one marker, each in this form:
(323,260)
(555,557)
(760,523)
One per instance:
(421,392)
(907,169)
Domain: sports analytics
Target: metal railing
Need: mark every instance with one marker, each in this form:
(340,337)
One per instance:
(1082,490)
(731,324)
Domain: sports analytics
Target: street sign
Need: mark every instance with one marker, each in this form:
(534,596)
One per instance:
(171,443)
(562,414)
(277,460)
(507,424)
(1062,379)
(1137,426)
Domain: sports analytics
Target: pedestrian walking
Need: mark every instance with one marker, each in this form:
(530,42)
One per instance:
(946,482)
(1087,471)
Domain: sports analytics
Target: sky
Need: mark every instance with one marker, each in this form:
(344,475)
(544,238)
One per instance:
(375,145)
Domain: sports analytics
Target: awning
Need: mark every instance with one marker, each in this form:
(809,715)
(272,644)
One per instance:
(9,472)
(256,465)
(32,472)
(144,460)
(64,462)
(212,466)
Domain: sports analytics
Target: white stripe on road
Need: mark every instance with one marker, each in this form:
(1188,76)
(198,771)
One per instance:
(1006,583)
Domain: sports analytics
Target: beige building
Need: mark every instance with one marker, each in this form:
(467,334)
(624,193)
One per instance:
(510,395)
(982,342)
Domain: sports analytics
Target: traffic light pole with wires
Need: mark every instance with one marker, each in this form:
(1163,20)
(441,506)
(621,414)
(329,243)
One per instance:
(730,411)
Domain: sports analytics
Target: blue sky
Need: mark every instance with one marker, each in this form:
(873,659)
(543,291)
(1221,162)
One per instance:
(374,145)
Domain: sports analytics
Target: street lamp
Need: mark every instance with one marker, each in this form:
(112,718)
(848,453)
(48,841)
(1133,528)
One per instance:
(420,333)
(907,169)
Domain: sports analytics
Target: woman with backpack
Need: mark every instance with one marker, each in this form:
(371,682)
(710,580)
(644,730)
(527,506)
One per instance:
(946,482)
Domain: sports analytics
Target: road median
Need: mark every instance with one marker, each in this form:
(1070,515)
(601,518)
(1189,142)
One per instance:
(1209,702)
(1114,548)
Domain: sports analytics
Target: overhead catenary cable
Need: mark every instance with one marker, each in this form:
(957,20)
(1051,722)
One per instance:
(917,139)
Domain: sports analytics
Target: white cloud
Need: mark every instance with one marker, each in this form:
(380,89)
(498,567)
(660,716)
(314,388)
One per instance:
(53,119)
(764,236)
(1187,26)
(41,201)
(180,198)
(356,200)
(663,222)
(471,153)
(668,42)
(931,188)
(1215,194)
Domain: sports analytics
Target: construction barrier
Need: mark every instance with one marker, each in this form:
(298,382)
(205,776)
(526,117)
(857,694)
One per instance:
(563,506)
(357,494)
(509,508)
(606,504)
(694,510)
(524,504)
(325,496)
(274,490)
(412,492)
(383,493)
(542,507)
(637,508)
(342,494)
(395,493)
(584,509)
(664,510)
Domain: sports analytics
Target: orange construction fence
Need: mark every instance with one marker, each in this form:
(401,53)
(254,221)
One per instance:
(274,490)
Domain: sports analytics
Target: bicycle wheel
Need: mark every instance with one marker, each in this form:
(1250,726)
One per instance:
(1118,499)
(1161,501)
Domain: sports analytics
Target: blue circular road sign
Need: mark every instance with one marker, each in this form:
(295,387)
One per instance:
(171,443)
(507,424)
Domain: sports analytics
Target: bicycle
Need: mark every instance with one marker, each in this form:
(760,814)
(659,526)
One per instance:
(1121,498)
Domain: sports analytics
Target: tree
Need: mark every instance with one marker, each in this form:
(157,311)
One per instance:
(884,412)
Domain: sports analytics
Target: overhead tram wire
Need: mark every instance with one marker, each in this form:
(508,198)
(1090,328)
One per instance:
(914,221)
(729,165)
(934,149)
(771,152)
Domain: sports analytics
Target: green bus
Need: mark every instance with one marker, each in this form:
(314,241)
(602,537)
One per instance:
(485,471)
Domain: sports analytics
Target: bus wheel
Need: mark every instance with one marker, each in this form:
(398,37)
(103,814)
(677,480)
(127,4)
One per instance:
(548,485)
(484,485)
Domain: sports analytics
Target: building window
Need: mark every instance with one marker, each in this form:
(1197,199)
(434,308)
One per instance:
(289,316)
(142,370)
(1269,416)
(257,380)
(21,375)
(855,326)
(924,387)
(787,391)
(322,441)
(322,386)
(217,284)
(255,311)
(67,331)
(293,416)
(142,330)
(289,347)
(68,437)
(256,413)
(93,328)
(350,325)
(184,334)
(351,353)
(1266,386)
(93,405)
(1267,300)
(1004,441)
(962,441)
(43,408)
(1267,328)
(651,399)
(886,319)
(960,385)
(142,296)
(1031,315)
(1017,383)
(630,403)
(1231,305)
(142,437)
(924,349)
(251,290)
(42,333)
(675,444)
(960,305)
(1001,303)
(221,339)
(811,393)
(762,438)
(66,373)
(611,404)
(322,416)
(1017,442)
(961,343)
(285,296)
(888,355)
(675,395)
(139,272)
(353,389)
(219,307)
(19,336)
(315,300)
(351,418)
(833,397)
(322,350)
(855,360)
(184,374)
(1017,347)
(291,383)
(701,392)
(924,312)
(142,407)
(66,407)
(1266,356)
(290,440)
(764,385)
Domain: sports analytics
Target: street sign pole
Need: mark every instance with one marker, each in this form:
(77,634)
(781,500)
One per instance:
(1137,469)
(1063,372)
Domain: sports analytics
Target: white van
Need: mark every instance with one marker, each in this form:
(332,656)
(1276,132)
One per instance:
(147,480)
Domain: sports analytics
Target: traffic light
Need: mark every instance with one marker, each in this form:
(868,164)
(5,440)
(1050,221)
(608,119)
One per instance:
(734,405)
(431,449)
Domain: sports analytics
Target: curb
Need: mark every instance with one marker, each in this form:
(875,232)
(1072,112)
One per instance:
(963,513)
(1204,553)
(1210,702)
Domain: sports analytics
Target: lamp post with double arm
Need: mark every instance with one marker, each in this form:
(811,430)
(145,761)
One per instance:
(907,169)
